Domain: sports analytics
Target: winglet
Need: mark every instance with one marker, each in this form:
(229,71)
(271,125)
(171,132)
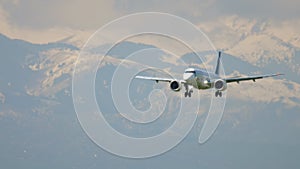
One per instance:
(218,64)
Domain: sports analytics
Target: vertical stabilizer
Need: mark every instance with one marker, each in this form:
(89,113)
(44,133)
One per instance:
(218,64)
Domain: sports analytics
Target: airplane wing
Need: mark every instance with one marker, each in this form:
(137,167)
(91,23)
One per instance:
(157,79)
(238,79)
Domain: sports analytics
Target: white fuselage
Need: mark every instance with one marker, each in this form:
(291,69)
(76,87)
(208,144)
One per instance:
(198,78)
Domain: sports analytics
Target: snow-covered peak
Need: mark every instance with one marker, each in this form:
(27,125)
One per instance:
(255,41)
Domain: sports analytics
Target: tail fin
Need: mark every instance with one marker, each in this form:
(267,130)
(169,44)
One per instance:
(218,64)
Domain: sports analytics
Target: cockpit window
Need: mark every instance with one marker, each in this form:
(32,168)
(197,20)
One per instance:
(192,71)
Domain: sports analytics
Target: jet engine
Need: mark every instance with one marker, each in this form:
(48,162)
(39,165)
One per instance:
(175,85)
(220,85)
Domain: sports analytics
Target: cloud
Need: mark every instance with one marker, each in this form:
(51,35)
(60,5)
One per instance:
(275,9)
(186,9)
(196,10)
(4,25)
(45,21)
(46,35)
(80,14)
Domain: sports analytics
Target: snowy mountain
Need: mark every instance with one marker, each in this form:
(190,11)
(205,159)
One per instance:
(254,41)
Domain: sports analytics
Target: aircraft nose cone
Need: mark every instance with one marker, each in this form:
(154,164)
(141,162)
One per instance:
(187,76)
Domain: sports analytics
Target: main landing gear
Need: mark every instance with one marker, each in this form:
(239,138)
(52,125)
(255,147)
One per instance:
(188,91)
(218,93)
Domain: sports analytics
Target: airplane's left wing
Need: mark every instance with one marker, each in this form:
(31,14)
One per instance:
(238,79)
(157,79)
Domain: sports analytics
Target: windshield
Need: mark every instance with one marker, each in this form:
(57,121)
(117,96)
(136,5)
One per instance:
(191,71)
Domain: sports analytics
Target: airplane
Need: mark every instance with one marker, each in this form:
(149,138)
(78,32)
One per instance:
(201,79)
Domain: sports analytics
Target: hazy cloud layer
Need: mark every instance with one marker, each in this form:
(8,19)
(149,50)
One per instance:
(274,9)
(196,10)
(82,14)
(44,14)
(47,21)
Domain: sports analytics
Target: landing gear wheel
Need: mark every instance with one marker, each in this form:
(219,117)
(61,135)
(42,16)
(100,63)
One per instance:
(186,94)
(188,91)
(218,93)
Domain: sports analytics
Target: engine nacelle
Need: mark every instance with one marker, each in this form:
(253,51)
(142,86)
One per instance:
(220,85)
(175,85)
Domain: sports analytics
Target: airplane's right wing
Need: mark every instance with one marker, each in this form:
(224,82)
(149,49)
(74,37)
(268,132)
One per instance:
(238,79)
(157,79)
(175,85)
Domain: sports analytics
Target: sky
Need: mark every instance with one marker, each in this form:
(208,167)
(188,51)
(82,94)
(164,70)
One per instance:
(55,18)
